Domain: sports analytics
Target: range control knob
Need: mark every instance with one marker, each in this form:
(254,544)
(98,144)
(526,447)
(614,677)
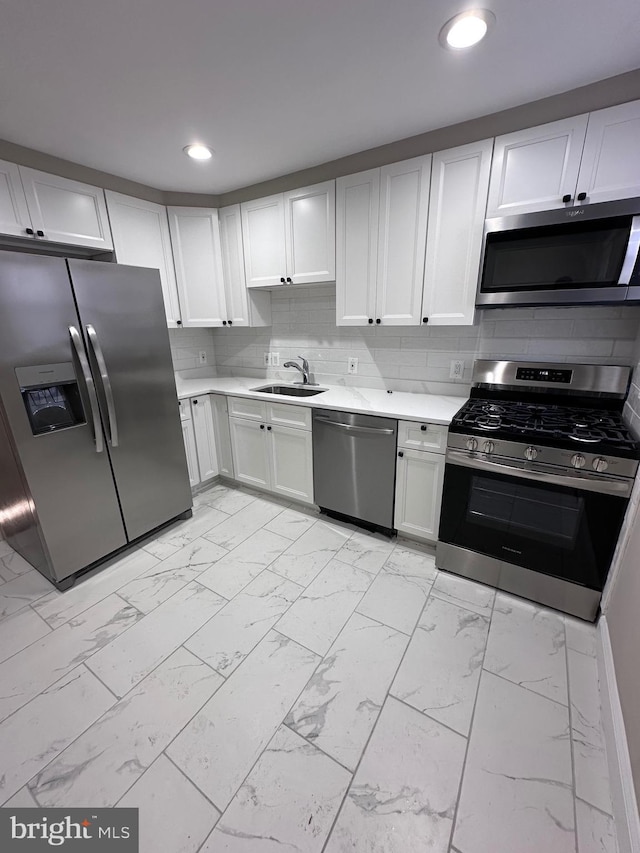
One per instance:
(488,447)
(472,444)
(530,453)
(600,464)
(578,460)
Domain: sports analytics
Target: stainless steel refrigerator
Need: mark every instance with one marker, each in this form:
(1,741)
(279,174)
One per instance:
(91,450)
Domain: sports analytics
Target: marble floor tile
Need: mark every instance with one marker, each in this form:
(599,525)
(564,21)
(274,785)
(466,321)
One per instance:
(20,630)
(5,549)
(309,554)
(24,799)
(37,733)
(589,751)
(41,664)
(366,551)
(465,593)
(219,746)
(226,499)
(527,646)
(595,829)
(395,600)
(115,751)
(340,705)
(226,639)
(161,581)
(173,815)
(318,616)
(130,658)
(403,795)
(239,567)
(238,527)
(291,523)
(24,590)
(581,636)
(12,565)
(412,562)
(204,519)
(57,608)
(441,669)
(517,787)
(288,801)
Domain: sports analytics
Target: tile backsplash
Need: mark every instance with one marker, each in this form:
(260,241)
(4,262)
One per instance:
(407,358)
(186,344)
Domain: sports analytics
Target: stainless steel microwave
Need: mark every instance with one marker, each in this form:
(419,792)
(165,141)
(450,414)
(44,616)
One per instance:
(573,256)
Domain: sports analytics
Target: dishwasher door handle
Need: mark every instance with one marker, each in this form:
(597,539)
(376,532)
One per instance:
(351,428)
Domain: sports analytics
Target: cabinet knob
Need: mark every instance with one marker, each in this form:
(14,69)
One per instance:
(289,281)
(261,426)
(195,402)
(29,231)
(41,233)
(582,196)
(425,319)
(282,280)
(566,198)
(370,320)
(231,322)
(269,429)
(178,322)
(224,322)
(400,454)
(423,427)
(378,321)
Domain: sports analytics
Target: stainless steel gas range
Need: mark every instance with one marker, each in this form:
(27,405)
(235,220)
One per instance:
(539,470)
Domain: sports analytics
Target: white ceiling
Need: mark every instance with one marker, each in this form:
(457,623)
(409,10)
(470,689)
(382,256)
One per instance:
(278,85)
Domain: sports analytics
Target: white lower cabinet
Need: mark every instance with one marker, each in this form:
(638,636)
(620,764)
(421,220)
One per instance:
(219,410)
(202,416)
(250,455)
(291,462)
(189,438)
(419,480)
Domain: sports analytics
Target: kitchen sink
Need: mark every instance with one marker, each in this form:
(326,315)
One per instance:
(290,390)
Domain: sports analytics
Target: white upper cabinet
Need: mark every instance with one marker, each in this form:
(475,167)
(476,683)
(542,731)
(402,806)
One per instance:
(381,225)
(610,167)
(402,233)
(195,238)
(244,307)
(65,211)
(290,239)
(537,168)
(14,216)
(310,233)
(458,198)
(141,239)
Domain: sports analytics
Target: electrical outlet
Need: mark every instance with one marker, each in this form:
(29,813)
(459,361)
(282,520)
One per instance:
(456,370)
(352,365)
(275,359)
(267,359)
(202,356)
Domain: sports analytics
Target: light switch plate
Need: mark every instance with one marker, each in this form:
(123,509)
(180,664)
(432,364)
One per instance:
(267,359)
(275,359)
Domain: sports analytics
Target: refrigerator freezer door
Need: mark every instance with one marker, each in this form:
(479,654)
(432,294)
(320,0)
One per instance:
(60,475)
(124,324)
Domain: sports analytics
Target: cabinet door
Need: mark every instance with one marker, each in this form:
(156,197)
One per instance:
(196,250)
(250,455)
(141,239)
(189,439)
(419,478)
(205,437)
(14,216)
(66,211)
(610,167)
(291,462)
(235,287)
(457,203)
(223,435)
(357,206)
(265,260)
(402,236)
(310,233)
(534,169)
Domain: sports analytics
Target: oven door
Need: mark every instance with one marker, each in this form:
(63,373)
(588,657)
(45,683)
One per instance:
(565,531)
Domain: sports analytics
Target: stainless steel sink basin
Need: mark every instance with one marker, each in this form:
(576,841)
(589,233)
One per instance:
(290,390)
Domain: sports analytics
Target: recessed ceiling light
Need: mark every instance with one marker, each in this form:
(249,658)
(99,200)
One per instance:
(466,29)
(198,151)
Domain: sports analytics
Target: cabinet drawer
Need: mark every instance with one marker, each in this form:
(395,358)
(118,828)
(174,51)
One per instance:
(417,436)
(253,410)
(284,414)
(185,409)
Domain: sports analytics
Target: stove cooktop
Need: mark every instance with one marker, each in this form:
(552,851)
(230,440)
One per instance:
(600,430)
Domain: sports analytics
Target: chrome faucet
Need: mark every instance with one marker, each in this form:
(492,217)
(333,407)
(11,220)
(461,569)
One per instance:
(304,370)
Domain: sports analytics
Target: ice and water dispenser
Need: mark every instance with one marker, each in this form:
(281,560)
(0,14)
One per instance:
(51,396)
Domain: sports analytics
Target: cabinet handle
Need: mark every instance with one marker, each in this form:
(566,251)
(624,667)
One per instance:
(566,198)
(261,426)
(29,231)
(231,322)
(370,320)
(289,281)
(41,233)
(400,454)
(195,402)
(425,319)
(224,322)
(378,321)
(282,280)
(269,429)
(582,196)
(423,427)
(178,322)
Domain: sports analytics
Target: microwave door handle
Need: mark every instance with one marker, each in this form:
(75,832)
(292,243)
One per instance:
(78,347)
(631,256)
(106,383)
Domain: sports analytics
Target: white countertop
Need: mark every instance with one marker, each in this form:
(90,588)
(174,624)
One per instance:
(433,408)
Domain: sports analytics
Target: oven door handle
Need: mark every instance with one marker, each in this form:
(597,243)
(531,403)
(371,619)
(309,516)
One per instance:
(604,485)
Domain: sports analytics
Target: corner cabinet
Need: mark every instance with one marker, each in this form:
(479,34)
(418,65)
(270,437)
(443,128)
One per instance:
(243,307)
(290,238)
(141,239)
(419,479)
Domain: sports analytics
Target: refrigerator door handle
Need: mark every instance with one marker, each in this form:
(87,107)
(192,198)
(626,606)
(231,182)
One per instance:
(78,346)
(106,383)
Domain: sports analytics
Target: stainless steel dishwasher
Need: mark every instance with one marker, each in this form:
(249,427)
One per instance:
(354,465)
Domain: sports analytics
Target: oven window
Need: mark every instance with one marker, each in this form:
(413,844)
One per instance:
(556,257)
